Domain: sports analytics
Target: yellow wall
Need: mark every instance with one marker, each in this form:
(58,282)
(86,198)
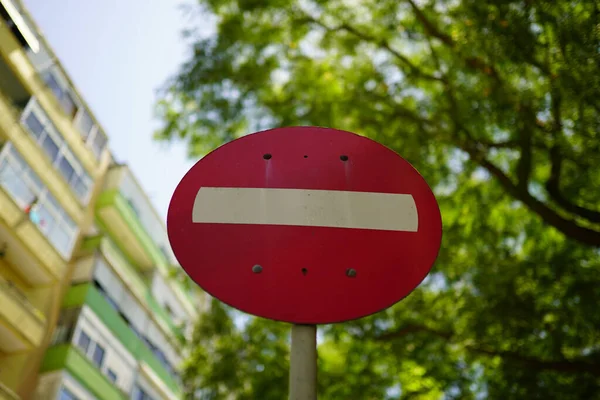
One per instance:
(7,272)
(13,365)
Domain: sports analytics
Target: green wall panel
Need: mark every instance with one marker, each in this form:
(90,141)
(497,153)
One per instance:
(69,358)
(113,321)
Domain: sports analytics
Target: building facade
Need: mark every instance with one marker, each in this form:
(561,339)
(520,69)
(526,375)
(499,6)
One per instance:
(89,308)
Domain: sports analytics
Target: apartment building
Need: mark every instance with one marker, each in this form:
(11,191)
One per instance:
(88,305)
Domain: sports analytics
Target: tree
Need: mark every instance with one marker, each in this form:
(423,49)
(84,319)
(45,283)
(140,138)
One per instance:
(497,104)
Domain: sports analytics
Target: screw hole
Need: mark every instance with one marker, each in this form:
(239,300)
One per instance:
(267,156)
(351,272)
(305,156)
(344,157)
(304,271)
(257,269)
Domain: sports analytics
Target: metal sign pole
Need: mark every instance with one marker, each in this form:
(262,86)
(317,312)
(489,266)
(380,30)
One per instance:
(303,363)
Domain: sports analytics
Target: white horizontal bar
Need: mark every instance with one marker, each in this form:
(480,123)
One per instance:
(21,25)
(300,207)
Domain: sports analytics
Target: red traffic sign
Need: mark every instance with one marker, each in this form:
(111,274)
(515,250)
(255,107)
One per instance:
(305,225)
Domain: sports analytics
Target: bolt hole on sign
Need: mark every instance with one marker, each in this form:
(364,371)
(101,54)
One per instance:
(305,225)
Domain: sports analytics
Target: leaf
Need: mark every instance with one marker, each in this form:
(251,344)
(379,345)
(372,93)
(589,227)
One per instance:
(497,104)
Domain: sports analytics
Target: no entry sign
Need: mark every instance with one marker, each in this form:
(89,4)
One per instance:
(305,225)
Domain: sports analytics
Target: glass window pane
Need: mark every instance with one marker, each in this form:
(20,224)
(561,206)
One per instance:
(53,85)
(12,157)
(99,143)
(61,239)
(23,185)
(84,123)
(50,147)
(139,394)
(83,342)
(133,207)
(111,375)
(15,186)
(34,125)
(66,169)
(80,187)
(66,395)
(68,104)
(32,180)
(46,219)
(98,356)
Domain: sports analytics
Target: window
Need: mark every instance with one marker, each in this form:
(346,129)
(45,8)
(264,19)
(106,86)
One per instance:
(65,394)
(133,207)
(68,104)
(62,94)
(65,327)
(98,356)
(84,342)
(106,296)
(24,186)
(98,143)
(140,394)
(66,169)
(84,123)
(93,137)
(58,151)
(53,85)
(50,147)
(35,126)
(80,186)
(112,376)
(14,182)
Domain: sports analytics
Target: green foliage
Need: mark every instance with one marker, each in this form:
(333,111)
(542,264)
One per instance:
(497,104)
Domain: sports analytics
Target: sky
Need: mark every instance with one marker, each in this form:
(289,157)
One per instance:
(118,52)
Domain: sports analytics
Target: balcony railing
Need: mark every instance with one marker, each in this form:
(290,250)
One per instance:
(16,294)
(88,294)
(68,104)
(7,394)
(23,184)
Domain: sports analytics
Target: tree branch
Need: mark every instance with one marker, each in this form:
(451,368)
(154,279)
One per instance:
(413,69)
(568,227)
(569,366)
(432,30)
(553,189)
(526,144)
(556,161)
(413,329)
(430,27)
(505,144)
(564,365)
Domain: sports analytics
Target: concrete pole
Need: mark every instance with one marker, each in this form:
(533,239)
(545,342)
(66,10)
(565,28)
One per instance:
(303,363)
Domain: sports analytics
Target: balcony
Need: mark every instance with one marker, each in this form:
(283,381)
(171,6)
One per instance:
(22,326)
(131,280)
(155,381)
(26,249)
(11,86)
(90,296)
(24,142)
(38,247)
(67,357)
(125,212)
(89,147)
(7,394)
(120,216)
